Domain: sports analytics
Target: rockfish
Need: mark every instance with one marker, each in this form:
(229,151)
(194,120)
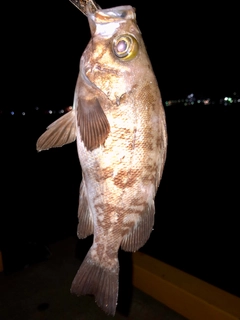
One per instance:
(118,121)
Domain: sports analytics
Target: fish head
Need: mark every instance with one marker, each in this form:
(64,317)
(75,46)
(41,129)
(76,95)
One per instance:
(116,53)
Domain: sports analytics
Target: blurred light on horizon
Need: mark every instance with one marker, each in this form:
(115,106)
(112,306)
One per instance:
(190,100)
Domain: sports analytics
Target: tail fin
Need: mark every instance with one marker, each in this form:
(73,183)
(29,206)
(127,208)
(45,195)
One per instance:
(93,278)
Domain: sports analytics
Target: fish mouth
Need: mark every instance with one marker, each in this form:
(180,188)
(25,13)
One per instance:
(113,14)
(90,7)
(105,22)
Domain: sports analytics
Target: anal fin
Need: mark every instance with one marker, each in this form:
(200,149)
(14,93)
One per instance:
(60,132)
(85,219)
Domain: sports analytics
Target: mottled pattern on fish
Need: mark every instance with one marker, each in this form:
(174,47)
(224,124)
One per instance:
(119,123)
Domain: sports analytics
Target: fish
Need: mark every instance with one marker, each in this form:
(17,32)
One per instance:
(119,125)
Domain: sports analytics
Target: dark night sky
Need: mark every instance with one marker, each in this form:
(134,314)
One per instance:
(193,48)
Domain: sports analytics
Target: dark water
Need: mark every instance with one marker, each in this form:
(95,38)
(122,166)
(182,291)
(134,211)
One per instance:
(197,205)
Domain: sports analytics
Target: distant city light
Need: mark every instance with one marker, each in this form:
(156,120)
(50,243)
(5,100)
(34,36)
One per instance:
(206,101)
(189,100)
(68,109)
(228,99)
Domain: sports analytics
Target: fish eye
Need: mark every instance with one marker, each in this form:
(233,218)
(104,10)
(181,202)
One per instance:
(125,47)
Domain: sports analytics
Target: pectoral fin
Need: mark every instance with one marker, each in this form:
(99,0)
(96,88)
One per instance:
(93,123)
(60,132)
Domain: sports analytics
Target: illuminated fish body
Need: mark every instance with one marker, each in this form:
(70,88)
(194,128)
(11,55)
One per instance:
(119,123)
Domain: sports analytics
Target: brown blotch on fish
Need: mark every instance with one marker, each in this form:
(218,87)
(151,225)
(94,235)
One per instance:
(126,179)
(150,174)
(136,201)
(147,97)
(106,173)
(159,142)
(124,132)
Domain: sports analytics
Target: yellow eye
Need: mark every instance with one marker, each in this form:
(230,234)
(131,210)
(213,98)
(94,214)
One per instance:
(125,47)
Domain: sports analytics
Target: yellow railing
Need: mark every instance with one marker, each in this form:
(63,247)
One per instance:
(189,296)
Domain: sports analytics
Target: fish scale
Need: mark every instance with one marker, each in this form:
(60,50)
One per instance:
(118,121)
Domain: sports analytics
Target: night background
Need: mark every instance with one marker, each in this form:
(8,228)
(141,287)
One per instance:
(194,50)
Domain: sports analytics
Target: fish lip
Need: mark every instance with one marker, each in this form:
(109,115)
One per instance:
(105,22)
(112,14)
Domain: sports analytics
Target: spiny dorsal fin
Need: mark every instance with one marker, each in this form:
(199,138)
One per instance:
(60,132)
(93,123)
